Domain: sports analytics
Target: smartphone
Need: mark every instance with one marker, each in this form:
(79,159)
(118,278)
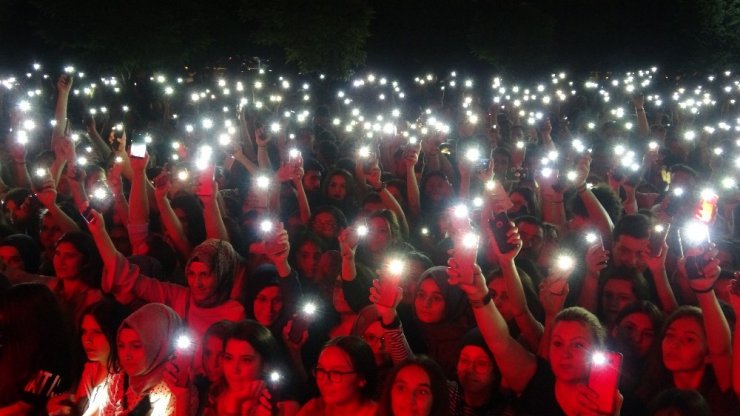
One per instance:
(182,358)
(593,239)
(275,381)
(707,207)
(657,237)
(466,252)
(387,291)
(603,378)
(204,181)
(500,225)
(87,214)
(301,321)
(695,234)
(138,149)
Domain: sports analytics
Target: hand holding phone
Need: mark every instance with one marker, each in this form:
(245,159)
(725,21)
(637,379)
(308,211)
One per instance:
(204,181)
(301,320)
(603,378)
(390,278)
(465,255)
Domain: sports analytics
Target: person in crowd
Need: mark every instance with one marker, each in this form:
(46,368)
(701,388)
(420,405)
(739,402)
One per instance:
(252,374)
(150,382)
(98,328)
(77,269)
(417,386)
(345,375)
(206,299)
(37,358)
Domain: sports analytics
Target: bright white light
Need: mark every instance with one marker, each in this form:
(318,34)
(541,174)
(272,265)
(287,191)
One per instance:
(473,154)
(263,182)
(183,342)
(396,267)
(598,358)
(565,262)
(309,308)
(266,226)
(460,211)
(470,240)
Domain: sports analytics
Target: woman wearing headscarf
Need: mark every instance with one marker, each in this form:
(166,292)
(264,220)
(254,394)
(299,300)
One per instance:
(440,310)
(203,302)
(146,343)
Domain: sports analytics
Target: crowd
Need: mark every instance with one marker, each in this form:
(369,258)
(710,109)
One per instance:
(219,246)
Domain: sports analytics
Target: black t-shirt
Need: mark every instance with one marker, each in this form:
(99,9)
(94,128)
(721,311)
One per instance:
(539,396)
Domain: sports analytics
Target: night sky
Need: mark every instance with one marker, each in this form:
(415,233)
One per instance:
(411,35)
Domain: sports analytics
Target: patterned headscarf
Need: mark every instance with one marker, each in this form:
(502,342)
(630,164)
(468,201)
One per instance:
(221,259)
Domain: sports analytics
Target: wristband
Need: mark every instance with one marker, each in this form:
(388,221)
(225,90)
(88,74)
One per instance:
(481,302)
(703,291)
(393,325)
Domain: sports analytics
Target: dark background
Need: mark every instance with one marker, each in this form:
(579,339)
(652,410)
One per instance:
(337,37)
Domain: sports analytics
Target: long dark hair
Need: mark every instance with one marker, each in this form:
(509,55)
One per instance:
(34,336)
(262,340)
(438,385)
(108,314)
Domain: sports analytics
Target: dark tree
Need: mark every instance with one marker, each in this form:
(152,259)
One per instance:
(325,36)
(125,34)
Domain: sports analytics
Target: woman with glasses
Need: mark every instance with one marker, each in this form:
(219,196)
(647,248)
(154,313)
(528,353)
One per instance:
(345,375)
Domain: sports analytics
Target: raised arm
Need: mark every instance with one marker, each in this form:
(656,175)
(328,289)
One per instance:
(395,340)
(263,157)
(643,128)
(215,227)
(517,365)
(656,265)
(304,209)
(388,200)
(411,157)
(20,171)
(101,147)
(64,86)
(172,226)
(596,213)
(719,338)
(596,261)
(531,329)
(48,197)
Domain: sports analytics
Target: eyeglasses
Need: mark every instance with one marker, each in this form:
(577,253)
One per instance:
(478,366)
(334,376)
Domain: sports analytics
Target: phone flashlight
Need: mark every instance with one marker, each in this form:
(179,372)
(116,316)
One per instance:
(565,262)
(41,172)
(294,153)
(183,342)
(263,182)
(266,226)
(183,175)
(470,240)
(364,152)
(472,154)
(362,230)
(275,127)
(301,321)
(460,211)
